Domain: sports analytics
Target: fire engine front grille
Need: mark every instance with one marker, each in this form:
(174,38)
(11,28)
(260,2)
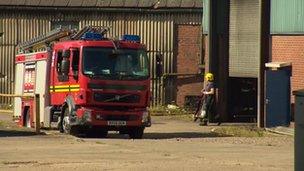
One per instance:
(116,98)
(121,117)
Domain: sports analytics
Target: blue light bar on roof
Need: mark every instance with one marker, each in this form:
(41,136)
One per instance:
(92,36)
(131,38)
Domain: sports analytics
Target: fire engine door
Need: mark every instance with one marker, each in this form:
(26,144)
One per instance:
(277,97)
(74,69)
(72,58)
(60,62)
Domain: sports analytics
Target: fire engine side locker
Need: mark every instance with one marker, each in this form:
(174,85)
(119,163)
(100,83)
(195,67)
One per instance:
(42,88)
(19,81)
(40,85)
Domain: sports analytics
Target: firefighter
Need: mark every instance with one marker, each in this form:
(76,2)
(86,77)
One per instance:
(205,105)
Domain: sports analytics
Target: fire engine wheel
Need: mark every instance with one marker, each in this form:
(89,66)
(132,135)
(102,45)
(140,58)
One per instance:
(97,133)
(27,122)
(136,133)
(65,126)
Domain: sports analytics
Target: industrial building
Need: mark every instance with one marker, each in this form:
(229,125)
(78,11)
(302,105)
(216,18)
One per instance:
(172,28)
(234,39)
(244,35)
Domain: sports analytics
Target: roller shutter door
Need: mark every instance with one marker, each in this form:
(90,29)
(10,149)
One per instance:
(244,38)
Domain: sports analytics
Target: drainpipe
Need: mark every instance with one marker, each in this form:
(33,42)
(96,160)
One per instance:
(210,38)
(219,52)
(264,58)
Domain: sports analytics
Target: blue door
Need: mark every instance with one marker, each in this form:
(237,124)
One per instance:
(277,98)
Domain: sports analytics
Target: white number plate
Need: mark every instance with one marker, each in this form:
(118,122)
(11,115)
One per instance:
(117,123)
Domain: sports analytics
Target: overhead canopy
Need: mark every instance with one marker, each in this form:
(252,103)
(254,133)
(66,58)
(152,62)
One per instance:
(106,3)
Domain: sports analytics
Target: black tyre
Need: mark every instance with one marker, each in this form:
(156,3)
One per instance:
(97,133)
(27,118)
(136,133)
(64,125)
(123,132)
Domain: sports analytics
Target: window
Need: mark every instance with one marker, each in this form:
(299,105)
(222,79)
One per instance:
(59,60)
(61,76)
(29,77)
(75,61)
(129,64)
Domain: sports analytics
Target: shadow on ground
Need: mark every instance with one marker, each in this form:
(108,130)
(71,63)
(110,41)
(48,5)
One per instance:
(171,135)
(17,133)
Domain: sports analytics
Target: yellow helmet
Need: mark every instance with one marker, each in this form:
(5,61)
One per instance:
(209,77)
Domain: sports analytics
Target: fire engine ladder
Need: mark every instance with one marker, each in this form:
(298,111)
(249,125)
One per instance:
(96,29)
(42,42)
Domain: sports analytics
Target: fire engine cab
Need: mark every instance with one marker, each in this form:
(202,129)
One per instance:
(86,82)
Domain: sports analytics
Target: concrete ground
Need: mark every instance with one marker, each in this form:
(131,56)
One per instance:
(170,144)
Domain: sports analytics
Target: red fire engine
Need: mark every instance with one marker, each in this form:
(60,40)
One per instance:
(86,82)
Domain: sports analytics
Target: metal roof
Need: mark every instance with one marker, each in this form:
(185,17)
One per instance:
(105,3)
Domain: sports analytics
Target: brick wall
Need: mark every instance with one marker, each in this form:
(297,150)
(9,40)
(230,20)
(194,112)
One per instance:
(290,49)
(188,60)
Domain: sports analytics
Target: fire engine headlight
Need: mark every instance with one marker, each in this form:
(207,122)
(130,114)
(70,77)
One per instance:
(87,115)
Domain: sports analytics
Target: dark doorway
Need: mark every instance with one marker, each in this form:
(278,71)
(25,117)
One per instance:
(242,99)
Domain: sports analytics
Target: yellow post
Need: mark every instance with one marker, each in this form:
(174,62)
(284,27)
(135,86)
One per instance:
(37,113)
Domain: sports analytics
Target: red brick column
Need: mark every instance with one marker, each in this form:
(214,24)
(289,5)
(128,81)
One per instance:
(188,60)
(290,49)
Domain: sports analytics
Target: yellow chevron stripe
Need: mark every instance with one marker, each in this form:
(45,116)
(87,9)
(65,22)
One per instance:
(62,86)
(62,90)
(65,88)
(75,86)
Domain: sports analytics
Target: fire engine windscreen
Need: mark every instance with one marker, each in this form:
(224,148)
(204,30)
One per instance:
(128,64)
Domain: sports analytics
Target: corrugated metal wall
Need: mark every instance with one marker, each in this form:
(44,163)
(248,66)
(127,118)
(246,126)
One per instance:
(156,30)
(287,17)
(7,50)
(244,38)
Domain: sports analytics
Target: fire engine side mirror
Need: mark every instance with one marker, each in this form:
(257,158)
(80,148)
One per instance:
(65,66)
(66,54)
(159,65)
